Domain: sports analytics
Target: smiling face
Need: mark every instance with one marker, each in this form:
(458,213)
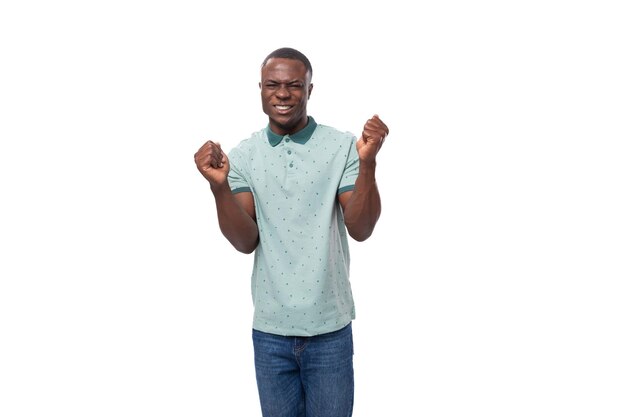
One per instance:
(285,90)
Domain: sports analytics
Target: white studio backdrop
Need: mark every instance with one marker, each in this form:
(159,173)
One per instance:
(493,285)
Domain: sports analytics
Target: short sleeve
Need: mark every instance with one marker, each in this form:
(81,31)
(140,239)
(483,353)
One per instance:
(351,170)
(237,178)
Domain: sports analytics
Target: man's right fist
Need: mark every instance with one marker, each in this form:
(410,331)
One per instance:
(212,163)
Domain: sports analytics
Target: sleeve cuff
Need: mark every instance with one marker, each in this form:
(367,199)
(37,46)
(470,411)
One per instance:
(344,189)
(241,190)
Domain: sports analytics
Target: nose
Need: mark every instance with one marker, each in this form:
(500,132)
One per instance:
(282,92)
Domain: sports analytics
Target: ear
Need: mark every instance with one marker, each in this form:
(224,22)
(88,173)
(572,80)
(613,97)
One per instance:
(260,85)
(310,89)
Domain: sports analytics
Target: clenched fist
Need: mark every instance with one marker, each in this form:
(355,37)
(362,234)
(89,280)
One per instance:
(212,163)
(372,138)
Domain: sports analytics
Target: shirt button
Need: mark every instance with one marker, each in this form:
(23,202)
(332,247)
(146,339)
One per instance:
(286,139)
(291,165)
(289,152)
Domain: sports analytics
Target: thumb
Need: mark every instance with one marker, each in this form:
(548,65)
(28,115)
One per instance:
(225,162)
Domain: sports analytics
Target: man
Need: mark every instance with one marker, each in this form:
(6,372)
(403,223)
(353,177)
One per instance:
(288,193)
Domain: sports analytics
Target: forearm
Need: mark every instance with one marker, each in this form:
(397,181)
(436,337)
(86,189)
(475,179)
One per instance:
(235,223)
(363,208)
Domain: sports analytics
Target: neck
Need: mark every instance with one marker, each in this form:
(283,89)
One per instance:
(288,130)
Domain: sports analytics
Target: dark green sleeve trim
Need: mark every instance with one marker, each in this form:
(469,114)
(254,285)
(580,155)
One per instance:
(241,190)
(346,188)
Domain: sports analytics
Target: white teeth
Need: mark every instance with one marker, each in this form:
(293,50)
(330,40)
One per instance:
(283,107)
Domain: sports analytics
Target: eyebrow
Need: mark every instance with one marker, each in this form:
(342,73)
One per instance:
(270,80)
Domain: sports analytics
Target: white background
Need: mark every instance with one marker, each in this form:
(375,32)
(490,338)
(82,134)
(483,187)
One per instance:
(493,285)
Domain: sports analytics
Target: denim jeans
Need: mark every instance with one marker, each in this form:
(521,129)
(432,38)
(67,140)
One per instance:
(305,376)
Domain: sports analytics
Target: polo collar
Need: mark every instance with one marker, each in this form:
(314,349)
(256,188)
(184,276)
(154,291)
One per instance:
(301,136)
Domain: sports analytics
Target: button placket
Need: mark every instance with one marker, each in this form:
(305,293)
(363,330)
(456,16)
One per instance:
(287,141)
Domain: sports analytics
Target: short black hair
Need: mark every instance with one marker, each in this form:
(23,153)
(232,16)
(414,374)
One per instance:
(290,53)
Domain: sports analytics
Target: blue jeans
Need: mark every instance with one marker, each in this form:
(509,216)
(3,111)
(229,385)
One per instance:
(305,376)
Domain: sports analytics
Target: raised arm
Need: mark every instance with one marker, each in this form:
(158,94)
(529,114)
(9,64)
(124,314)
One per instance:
(235,212)
(361,206)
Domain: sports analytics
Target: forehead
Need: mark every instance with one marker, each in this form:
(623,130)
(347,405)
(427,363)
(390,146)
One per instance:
(283,69)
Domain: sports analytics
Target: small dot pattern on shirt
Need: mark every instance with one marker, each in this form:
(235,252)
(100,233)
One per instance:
(300,279)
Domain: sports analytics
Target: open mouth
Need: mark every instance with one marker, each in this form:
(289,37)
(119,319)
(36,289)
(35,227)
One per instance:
(282,108)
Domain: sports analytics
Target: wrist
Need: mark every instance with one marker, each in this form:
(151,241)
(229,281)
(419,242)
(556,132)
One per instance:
(366,166)
(220,188)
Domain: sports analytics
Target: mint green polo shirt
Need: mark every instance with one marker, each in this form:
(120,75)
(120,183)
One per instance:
(300,278)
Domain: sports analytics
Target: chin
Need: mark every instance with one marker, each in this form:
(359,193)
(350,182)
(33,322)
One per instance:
(284,123)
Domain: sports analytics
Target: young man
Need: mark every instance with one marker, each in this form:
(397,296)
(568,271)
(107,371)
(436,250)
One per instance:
(288,193)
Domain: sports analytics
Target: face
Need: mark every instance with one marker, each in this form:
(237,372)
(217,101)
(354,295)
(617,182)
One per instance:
(285,90)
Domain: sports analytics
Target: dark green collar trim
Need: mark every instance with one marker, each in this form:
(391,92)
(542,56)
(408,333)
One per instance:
(301,136)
